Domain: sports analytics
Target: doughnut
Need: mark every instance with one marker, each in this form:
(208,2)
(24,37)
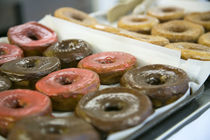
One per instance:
(19,103)
(70,52)
(138,23)
(178,31)
(205,39)
(9,52)
(66,87)
(153,39)
(114,109)
(166,13)
(5,83)
(75,16)
(164,84)
(202,18)
(48,128)
(32,37)
(191,50)
(110,66)
(26,71)
(106,28)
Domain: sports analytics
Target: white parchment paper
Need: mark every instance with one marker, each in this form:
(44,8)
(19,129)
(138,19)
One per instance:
(146,54)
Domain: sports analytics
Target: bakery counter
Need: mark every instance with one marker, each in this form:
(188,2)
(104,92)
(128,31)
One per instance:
(162,127)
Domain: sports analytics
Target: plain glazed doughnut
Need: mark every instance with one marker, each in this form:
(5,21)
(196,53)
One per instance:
(48,128)
(191,50)
(110,66)
(32,37)
(74,15)
(179,31)
(17,104)
(9,52)
(114,109)
(137,23)
(153,39)
(202,18)
(205,39)
(70,52)
(66,87)
(164,84)
(166,13)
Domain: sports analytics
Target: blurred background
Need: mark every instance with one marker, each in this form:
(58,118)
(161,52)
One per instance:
(13,12)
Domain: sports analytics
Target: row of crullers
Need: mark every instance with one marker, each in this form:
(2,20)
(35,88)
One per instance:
(77,88)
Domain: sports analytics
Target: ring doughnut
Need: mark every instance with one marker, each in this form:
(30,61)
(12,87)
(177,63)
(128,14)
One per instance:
(66,87)
(162,83)
(114,109)
(109,65)
(191,50)
(48,128)
(138,23)
(5,83)
(166,13)
(32,37)
(205,39)
(9,52)
(26,71)
(74,15)
(202,18)
(179,31)
(70,52)
(19,103)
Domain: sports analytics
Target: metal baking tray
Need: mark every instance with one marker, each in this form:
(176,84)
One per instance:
(164,115)
(184,122)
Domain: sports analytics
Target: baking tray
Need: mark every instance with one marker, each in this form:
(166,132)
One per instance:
(164,115)
(184,122)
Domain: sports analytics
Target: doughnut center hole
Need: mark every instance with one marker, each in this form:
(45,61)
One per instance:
(139,19)
(77,17)
(106,60)
(205,18)
(156,80)
(168,10)
(2,52)
(29,64)
(65,80)
(109,107)
(15,104)
(53,129)
(32,36)
(178,29)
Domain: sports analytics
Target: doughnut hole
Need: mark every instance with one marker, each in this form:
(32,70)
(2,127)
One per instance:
(168,10)
(32,36)
(54,129)
(2,52)
(180,29)
(156,79)
(14,103)
(27,63)
(106,60)
(113,106)
(139,20)
(64,80)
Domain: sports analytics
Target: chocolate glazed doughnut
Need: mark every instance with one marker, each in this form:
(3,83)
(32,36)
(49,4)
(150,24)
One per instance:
(48,128)
(70,52)
(162,83)
(17,104)
(32,37)
(26,71)
(114,109)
